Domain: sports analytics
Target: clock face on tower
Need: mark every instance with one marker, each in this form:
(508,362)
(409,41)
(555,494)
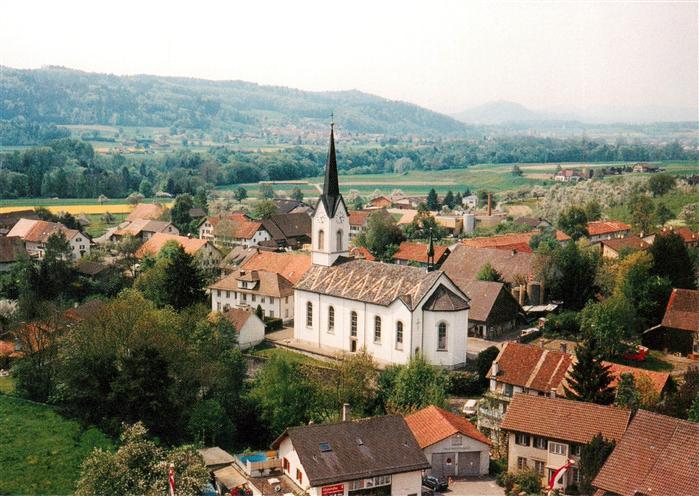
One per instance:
(341,217)
(321,218)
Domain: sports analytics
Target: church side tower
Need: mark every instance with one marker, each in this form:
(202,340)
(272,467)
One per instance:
(330,235)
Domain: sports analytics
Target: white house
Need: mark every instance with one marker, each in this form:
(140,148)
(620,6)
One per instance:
(35,234)
(352,456)
(452,445)
(250,328)
(392,311)
(248,289)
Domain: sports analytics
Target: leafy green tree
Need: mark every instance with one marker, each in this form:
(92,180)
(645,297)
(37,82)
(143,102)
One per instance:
(416,386)
(358,202)
(180,212)
(589,379)
(627,395)
(663,214)
(201,200)
(432,200)
(284,395)
(297,194)
(449,201)
(593,210)
(545,240)
(240,193)
(355,382)
(263,209)
(565,324)
(592,457)
(146,188)
(693,413)
(609,323)
(569,272)
(266,191)
(56,271)
(642,208)
(659,184)
(137,468)
(671,259)
(516,171)
(484,362)
(488,273)
(573,222)
(382,235)
(679,403)
(207,421)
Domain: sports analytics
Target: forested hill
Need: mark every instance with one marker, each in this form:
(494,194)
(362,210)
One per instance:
(56,95)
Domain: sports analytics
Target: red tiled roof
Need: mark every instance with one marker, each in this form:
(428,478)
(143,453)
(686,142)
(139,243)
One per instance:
(361,252)
(599,227)
(417,252)
(509,241)
(630,242)
(269,283)
(657,456)
(658,379)
(433,424)
(683,232)
(358,217)
(236,227)
(292,266)
(567,420)
(39,231)
(682,311)
(237,316)
(532,367)
(156,242)
(463,264)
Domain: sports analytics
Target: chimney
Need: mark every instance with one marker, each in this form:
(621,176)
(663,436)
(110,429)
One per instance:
(552,393)
(490,203)
(494,369)
(541,344)
(514,251)
(564,348)
(345,412)
(522,294)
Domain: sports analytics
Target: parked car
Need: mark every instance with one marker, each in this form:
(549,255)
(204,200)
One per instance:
(469,409)
(434,483)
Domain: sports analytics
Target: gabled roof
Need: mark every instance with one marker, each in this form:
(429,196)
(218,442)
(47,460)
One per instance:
(136,227)
(359,217)
(509,241)
(658,379)
(291,266)
(90,268)
(156,242)
(657,456)
(433,424)
(417,252)
(682,311)
(532,367)
(238,317)
(599,227)
(683,232)
(151,211)
(444,299)
(285,205)
(286,227)
(567,420)
(356,449)
(372,282)
(237,256)
(39,231)
(490,299)
(270,283)
(629,243)
(463,264)
(88,310)
(236,227)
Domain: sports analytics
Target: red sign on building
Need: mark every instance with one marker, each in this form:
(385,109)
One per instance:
(334,490)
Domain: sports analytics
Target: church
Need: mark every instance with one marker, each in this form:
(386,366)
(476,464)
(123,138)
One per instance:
(392,311)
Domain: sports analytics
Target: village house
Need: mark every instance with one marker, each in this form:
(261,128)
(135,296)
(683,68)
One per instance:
(544,434)
(416,254)
(453,224)
(146,211)
(616,247)
(392,311)
(679,330)
(249,327)
(205,253)
(9,219)
(377,456)
(35,234)
(288,231)
(380,202)
(358,221)
(513,241)
(236,257)
(291,266)
(690,238)
(641,167)
(249,289)
(288,206)
(569,176)
(654,456)
(534,223)
(494,311)
(601,230)
(144,229)
(233,230)
(452,444)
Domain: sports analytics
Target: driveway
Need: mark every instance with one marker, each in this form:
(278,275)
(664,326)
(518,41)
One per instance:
(481,486)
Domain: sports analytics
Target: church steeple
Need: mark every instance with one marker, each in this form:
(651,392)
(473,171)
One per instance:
(331,187)
(430,253)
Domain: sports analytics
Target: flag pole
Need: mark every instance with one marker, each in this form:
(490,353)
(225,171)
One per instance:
(171,480)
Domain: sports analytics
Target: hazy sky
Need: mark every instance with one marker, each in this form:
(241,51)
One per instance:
(443,55)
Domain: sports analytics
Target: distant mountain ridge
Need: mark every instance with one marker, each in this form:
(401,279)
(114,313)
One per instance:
(57,95)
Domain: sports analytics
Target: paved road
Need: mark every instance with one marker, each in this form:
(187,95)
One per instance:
(482,486)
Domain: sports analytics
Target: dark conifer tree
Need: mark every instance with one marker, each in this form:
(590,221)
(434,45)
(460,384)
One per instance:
(589,380)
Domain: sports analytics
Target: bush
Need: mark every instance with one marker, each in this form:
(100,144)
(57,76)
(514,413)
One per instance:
(530,337)
(565,324)
(497,467)
(463,383)
(273,324)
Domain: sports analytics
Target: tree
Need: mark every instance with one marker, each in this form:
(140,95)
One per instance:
(609,323)
(663,214)
(139,466)
(432,200)
(416,386)
(263,209)
(285,397)
(671,259)
(592,457)
(516,171)
(382,235)
(648,395)
(201,200)
(641,208)
(240,193)
(573,222)
(355,381)
(180,212)
(593,210)
(134,198)
(146,188)
(693,413)
(627,395)
(297,194)
(358,202)
(659,184)
(266,191)
(570,273)
(589,380)
(484,362)
(488,273)
(207,421)
(680,402)
(449,200)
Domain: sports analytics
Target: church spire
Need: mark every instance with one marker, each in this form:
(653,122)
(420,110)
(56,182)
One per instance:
(430,253)
(331,188)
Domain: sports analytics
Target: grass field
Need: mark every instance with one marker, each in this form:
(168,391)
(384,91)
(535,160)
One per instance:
(673,200)
(268,351)
(40,451)
(7,385)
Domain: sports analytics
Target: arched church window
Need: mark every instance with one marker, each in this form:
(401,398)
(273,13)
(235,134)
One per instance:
(321,240)
(331,319)
(353,324)
(339,240)
(309,314)
(399,335)
(377,329)
(442,336)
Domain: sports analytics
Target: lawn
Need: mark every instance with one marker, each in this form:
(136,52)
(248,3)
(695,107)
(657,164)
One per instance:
(654,361)
(268,351)
(40,451)
(674,200)
(98,227)
(7,385)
